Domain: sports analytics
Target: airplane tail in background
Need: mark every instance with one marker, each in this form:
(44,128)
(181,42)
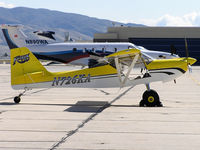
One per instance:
(13,35)
(16,38)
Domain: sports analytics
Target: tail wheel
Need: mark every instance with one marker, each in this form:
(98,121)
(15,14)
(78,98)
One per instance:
(151,98)
(17,99)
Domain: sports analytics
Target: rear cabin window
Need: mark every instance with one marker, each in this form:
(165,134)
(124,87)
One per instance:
(84,50)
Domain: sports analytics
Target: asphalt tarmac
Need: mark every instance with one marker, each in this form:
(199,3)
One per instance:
(97,119)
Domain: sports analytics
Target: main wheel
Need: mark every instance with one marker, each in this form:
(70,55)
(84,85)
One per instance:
(17,99)
(142,104)
(151,98)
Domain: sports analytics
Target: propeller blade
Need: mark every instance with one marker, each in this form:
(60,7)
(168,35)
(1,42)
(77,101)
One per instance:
(189,60)
(186,48)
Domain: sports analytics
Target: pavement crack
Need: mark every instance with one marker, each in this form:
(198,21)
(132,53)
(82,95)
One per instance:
(91,117)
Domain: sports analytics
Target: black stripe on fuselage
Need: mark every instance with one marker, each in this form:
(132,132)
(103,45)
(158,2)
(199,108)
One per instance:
(166,72)
(179,69)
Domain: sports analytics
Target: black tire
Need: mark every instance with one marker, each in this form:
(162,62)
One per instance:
(151,98)
(17,99)
(142,104)
(159,104)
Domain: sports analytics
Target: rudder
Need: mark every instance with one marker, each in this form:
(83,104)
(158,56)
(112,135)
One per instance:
(25,67)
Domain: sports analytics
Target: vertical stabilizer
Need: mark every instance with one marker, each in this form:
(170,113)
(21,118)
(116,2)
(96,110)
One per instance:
(25,67)
(14,36)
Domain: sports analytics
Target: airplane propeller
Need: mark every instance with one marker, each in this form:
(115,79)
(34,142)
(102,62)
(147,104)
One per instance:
(188,60)
(186,49)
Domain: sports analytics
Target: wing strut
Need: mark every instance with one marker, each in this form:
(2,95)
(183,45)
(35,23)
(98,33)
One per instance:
(123,82)
(118,69)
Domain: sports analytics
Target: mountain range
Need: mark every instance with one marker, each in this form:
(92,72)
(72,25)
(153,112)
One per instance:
(80,27)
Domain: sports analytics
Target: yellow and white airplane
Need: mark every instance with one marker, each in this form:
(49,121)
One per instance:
(119,69)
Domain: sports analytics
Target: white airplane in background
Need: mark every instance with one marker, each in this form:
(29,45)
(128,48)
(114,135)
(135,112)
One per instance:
(84,54)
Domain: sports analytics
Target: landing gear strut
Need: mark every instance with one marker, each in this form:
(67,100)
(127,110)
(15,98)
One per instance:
(150,98)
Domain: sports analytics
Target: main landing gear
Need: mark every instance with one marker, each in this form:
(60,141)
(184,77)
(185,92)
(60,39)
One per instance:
(150,98)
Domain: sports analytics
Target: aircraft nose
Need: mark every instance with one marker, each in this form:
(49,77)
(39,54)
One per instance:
(191,60)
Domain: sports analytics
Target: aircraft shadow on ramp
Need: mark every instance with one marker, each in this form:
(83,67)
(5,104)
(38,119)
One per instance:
(93,106)
(80,106)
(87,106)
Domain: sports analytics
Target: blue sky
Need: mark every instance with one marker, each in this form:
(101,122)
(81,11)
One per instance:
(149,12)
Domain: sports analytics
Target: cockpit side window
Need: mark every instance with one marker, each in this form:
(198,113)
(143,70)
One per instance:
(84,50)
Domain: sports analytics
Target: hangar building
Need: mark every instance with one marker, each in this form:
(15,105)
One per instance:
(156,38)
